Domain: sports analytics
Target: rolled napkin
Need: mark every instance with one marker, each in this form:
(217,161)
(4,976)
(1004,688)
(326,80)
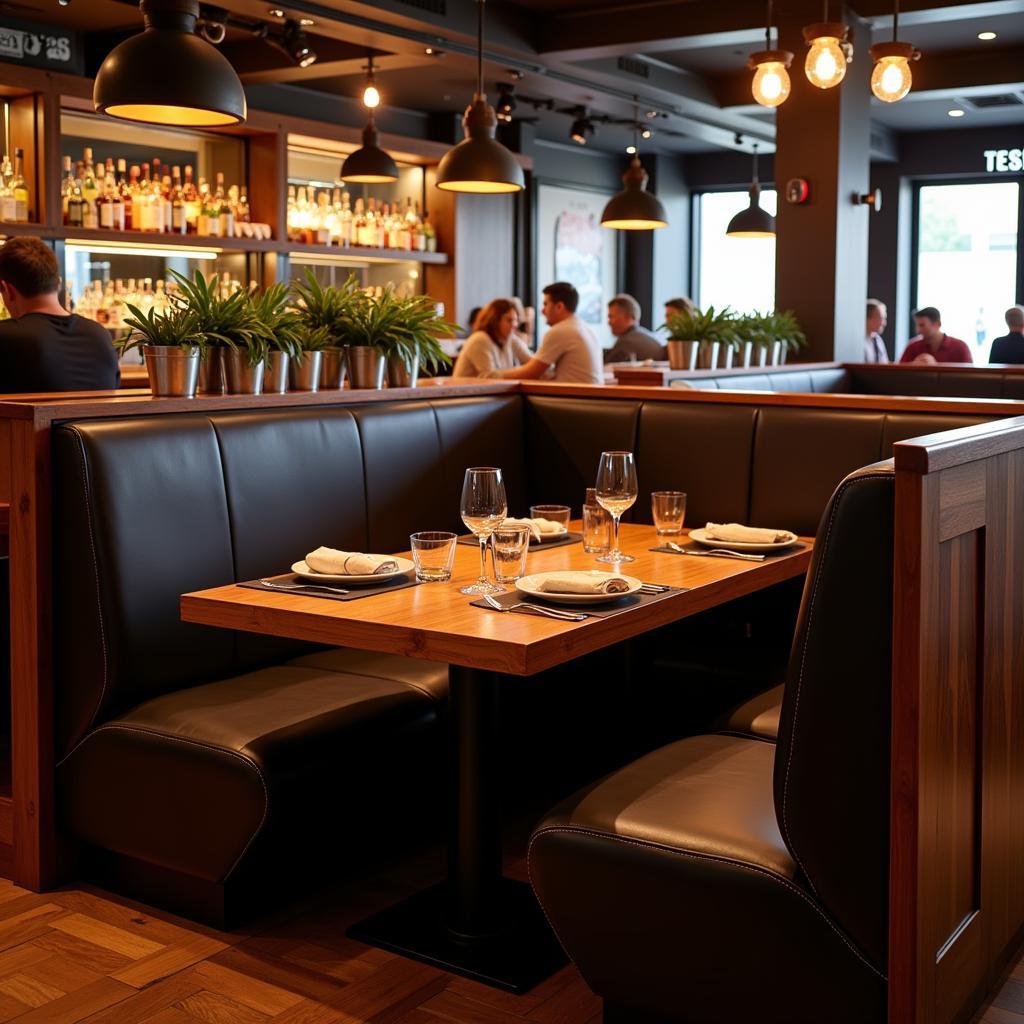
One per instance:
(736,534)
(538,527)
(583,583)
(349,563)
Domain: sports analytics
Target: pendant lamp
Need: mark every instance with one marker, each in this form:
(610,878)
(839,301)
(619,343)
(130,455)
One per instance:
(891,79)
(829,53)
(634,208)
(168,75)
(753,222)
(370,164)
(771,83)
(479,163)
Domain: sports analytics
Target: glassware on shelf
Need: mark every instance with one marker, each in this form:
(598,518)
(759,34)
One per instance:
(616,490)
(483,508)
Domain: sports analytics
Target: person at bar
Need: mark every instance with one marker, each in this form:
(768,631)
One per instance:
(632,342)
(569,353)
(1010,347)
(874,345)
(932,344)
(43,347)
(493,345)
(679,305)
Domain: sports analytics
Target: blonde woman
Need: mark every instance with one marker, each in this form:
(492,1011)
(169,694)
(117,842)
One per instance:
(493,346)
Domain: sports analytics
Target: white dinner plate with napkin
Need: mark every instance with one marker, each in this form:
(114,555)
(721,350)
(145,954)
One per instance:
(567,587)
(743,538)
(350,566)
(541,529)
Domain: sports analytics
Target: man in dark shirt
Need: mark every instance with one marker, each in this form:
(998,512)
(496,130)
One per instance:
(1010,347)
(43,347)
(632,342)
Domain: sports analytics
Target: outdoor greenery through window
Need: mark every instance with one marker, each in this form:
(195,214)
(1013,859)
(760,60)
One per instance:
(736,272)
(967,258)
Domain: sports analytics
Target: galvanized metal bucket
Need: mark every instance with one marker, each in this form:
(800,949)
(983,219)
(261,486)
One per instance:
(304,372)
(333,367)
(399,373)
(211,371)
(173,371)
(682,355)
(366,367)
(243,378)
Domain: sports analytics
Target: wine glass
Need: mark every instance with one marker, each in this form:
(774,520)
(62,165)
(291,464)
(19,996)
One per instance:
(484,507)
(616,490)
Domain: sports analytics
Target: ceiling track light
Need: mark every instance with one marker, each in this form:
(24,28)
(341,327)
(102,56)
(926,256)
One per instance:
(141,79)
(634,208)
(506,104)
(771,83)
(479,163)
(891,80)
(582,129)
(295,43)
(753,222)
(829,51)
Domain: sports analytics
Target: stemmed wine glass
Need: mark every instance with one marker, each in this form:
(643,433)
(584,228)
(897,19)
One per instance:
(484,507)
(616,490)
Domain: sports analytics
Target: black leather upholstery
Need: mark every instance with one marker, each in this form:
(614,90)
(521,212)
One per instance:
(758,716)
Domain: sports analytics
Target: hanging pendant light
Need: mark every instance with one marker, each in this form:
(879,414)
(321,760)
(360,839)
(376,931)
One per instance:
(479,163)
(753,222)
(168,75)
(771,83)
(634,208)
(369,164)
(830,51)
(891,79)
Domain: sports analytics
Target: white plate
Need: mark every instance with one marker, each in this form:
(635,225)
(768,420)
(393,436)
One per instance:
(530,586)
(404,565)
(701,537)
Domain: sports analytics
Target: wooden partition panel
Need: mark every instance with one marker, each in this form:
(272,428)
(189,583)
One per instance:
(958,705)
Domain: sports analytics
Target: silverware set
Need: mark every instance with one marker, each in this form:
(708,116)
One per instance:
(274,585)
(713,553)
(563,613)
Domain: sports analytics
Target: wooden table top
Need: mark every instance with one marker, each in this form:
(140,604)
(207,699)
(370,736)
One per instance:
(436,622)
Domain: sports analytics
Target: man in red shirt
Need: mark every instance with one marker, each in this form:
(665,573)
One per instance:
(932,345)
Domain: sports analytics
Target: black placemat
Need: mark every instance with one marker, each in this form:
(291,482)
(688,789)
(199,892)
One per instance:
(799,546)
(597,611)
(407,579)
(535,545)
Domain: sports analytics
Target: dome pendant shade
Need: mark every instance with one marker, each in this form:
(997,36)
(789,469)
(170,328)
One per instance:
(634,208)
(370,164)
(168,75)
(753,222)
(479,163)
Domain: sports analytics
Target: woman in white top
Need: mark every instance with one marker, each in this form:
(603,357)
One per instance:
(493,345)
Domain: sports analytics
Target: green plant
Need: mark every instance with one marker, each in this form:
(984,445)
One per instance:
(325,314)
(177,326)
(281,324)
(406,328)
(229,321)
(787,329)
(712,325)
(764,329)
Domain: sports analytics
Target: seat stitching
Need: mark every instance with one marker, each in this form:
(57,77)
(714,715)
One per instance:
(693,855)
(209,746)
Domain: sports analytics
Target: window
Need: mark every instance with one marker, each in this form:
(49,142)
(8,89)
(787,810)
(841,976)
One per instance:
(737,272)
(967,258)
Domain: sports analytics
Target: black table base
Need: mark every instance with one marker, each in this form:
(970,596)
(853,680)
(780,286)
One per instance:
(477,924)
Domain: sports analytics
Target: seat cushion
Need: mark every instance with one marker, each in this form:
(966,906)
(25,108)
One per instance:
(757,717)
(192,779)
(431,677)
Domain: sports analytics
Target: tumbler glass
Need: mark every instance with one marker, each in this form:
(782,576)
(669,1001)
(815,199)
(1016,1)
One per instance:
(433,553)
(509,547)
(556,513)
(668,509)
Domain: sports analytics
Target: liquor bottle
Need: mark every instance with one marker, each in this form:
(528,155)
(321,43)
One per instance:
(359,224)
(429,233)
(191,197)
(90,191)
(292,218)
(67,186)
(225,214)
(8,206)
(124,191)
(242,213)
(75,204)
(20,189)
(203,215)
(179,220)
(104,208)
(345,221)
(135,195)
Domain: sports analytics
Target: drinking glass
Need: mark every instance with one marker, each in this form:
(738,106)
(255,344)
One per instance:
(597,525)
(616,490)
(484,507)
(668,510)
(509,546)
(556,513)
(433,552)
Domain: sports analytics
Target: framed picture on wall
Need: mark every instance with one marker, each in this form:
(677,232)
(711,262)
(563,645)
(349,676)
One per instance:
(572,246)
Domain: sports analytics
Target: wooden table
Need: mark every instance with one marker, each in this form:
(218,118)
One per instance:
(478,923)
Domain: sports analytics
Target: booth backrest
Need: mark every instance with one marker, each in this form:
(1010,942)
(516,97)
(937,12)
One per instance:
(825,380)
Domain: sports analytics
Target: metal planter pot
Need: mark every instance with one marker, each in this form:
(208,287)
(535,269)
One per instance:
(304,372)
(173,371)
(707,355)
(366,367)
(761,355)
(746,352)
(243,378)
(333,368)
(728,354)
(682,355)
(777,353)
(400,375)
(211,372)
(275,373)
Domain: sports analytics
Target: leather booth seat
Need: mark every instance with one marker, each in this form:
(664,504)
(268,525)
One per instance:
(722,878)
(758,717)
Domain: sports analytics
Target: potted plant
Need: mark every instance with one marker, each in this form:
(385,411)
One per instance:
(696,337)
(414,344)
(324,315)
(283,330)
(172,346)
(787,335)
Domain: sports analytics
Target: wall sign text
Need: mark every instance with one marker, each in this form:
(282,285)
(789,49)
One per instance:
(1002,160)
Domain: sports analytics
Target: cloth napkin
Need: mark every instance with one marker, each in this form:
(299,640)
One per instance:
(349,563)
(733,532)
(538,527)
(583,583)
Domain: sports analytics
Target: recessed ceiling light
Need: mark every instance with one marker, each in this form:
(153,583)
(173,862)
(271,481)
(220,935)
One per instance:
(631,150)
(306,22)
(956,112)
(986,36)
(276,12)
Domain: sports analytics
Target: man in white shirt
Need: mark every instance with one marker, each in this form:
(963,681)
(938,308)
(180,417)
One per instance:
(874,347)
(569,346)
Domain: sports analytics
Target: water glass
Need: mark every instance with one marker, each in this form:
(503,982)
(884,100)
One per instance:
(616,488)
(556,513)
(597,529)
(509,547)
(433,553)
(668,509)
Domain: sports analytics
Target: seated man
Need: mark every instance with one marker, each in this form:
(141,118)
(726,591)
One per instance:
(932,344)
(632,342)
(569,346)
(874,345)
(42,346)
(1010,347)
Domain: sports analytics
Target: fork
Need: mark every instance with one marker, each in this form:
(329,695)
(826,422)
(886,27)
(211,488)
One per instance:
(302,586)
(714,553)
(552,613)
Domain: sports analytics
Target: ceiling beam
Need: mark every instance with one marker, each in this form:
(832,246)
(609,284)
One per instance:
(342,68)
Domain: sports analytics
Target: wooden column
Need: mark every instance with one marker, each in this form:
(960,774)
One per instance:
(821,252)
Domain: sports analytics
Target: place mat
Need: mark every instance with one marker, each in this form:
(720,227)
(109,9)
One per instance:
(395,583)
(597,611)
(535,545)
(799,546)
